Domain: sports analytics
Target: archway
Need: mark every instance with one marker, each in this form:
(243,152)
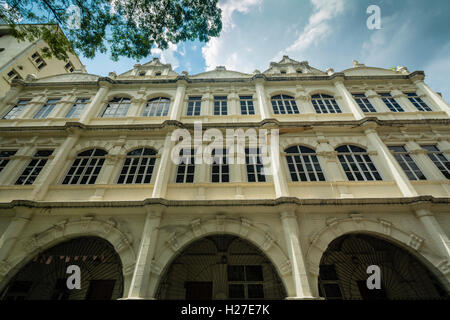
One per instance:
(221,267)
(45,276)
(343,271)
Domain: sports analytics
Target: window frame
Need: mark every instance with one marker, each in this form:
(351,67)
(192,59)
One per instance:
(186,165)
(115,114)
(325,104)
(418,102)
(319,175)
(364,103)
(149,166)
(222,164)
(247,103)
(20,106)
(157,107)
(220,106)
(194,106)
(390,102)
(257,166)
(35,167)
(5,158)
(404,159)
(82,174)
(76,109)
(363,155)
(436,157)
(284,104)
(46,108)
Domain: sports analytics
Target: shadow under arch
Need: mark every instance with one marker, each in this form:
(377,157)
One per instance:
(220,266)
(43,275)
(403,275)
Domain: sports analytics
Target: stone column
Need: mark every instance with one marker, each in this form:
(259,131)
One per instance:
(17,164)
(34,105)
(164,168)
(178,103)
(61,107)
(262,100)
(376,100)
(437,99)
(396,171)
(435,231)
(92,109)
(296,257)
(54,167)
(141,276)
(349,100)
(403,100)
(276,169)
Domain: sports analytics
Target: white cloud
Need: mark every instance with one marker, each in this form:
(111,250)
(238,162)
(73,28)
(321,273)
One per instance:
(168,55)
(437,71)
(318,27)
(213,51)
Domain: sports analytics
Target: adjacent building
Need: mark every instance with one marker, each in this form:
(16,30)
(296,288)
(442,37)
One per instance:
(359,177)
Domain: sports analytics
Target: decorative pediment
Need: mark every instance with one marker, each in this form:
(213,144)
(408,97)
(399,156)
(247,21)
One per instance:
(291,67)
(360,69)
(220,73)
(153,68)
(69,77)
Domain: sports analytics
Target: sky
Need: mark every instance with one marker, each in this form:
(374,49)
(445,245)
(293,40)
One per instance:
(326,33)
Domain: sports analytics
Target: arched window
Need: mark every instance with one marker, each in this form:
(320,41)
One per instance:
(138,166)
(303,164)
(324,103)
(157,107)
(283,104)
(357,164)
(86,167)
(117,107)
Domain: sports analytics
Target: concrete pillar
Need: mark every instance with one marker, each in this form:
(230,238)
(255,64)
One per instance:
(276,169)
(54,167)
(396,171)
(296,257)
(437,99)
(164,168)
(262,100)
(435,231)
(178,103)
(141,275)
(92,109)
(348,99)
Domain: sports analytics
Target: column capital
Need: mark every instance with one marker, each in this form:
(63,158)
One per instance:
(287,211)
(424,211)
(154,211)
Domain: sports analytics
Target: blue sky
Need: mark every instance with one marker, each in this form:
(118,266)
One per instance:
(327,33)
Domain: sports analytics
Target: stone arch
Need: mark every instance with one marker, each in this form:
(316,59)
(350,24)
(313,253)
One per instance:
(242,228)
(157,94)
(281,92)
(356,223)
(355,141)
(117,94)
(327,91)
(30,246)
(86,145)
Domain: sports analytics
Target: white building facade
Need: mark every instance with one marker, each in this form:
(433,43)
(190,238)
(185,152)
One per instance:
(87,178)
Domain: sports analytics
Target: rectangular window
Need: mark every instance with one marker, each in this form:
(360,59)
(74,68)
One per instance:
(439,159)
(220,170)
(245,282)
(5,156)
(38,61)
(46,109)
(220,106)
(13,74)
(407,163)
(194,106)
(35,166)
(254,164)
(16,110)
(247,106)
(418,102)
(186,167)
(69,67)
(77,108)
(363,102)
(391,103)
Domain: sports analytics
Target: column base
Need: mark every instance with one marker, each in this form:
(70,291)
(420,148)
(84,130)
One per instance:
(304,298)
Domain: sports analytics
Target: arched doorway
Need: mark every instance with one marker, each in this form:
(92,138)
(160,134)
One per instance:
(221,267)
(343,271)
(44,277)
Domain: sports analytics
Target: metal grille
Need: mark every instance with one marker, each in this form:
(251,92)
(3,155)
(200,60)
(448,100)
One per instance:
(158,107)
(407,163)
(44,277)
(343,271)
(220,106)
(138,166)
(439,159)
(5,156)
(117,107)
(304,164)
(391,103)
(16,110)
(363,102)
(357,164)
(247,106)
(86,167)
(77,108)
(324,103)
(418,102)
(186,167)
(283,104)
(46,109)
(255,168)
(35,166)
(194,105)
(233,266)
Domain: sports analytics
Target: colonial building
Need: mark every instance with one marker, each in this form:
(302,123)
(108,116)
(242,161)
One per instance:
(18,59)
(359,178)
